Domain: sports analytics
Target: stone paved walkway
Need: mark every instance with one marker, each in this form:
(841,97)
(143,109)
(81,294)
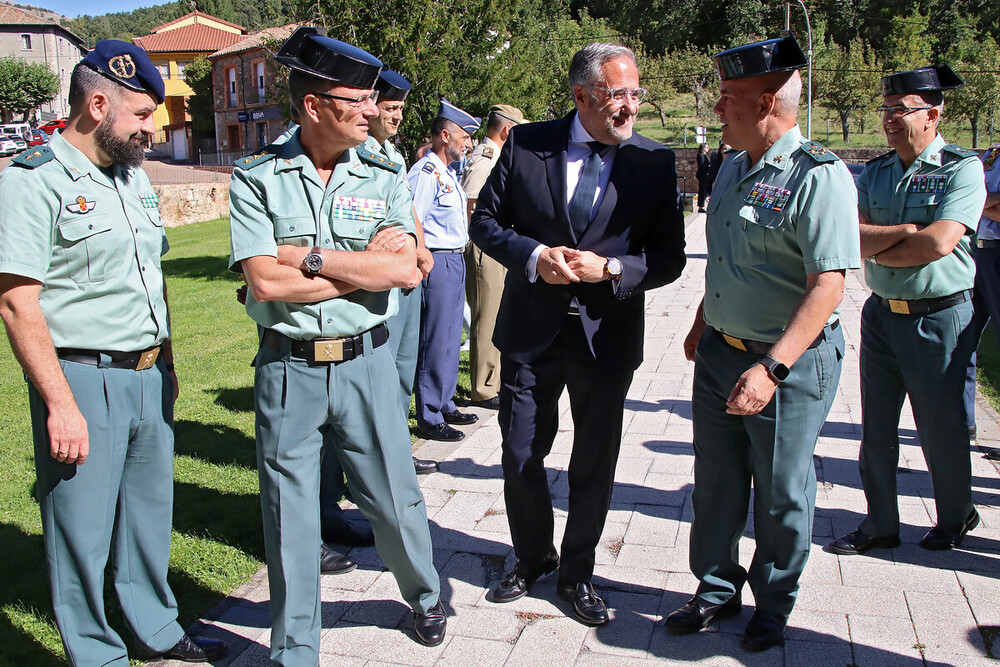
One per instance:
(905,606)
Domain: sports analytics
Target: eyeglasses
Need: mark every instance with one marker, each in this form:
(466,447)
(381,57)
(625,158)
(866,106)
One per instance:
(619,94)
(356,102)
(898,111)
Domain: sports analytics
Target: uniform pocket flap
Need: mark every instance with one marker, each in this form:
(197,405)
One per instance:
(294,226)
(759,216)
(84,227)
(354,229)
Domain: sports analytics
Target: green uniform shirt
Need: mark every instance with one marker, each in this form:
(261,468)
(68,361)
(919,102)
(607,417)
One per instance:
(769,225)
(94,242)
(279,199)
(943,183)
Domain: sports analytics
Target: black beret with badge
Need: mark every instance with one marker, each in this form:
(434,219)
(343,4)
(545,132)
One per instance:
(392,86)
(780,54)
(923,80)
(127,65)
(309,50)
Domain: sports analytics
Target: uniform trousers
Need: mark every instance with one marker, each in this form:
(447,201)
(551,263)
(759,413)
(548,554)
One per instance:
(483,289)
(926,357)
(119,503)
(404,333)
(352,408)
(529,420)
(985,306)
(773,451)
(441,304)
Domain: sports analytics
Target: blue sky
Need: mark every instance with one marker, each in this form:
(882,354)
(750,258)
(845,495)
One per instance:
(74,8)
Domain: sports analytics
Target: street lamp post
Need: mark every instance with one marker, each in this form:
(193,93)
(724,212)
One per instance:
(809,57)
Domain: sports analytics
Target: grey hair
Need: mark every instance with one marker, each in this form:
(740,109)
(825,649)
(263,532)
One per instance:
(787,96)
(84,82)
(585,68)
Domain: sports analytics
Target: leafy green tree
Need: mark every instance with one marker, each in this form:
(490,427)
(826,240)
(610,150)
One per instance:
(908,45)
(24,87)
(846,80)
(978,60)
(201,103)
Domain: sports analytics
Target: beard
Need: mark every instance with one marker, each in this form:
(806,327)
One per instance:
(621,133)
(127,152)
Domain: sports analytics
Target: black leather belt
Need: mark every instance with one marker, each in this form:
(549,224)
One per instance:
(761,347)
(136,361)
(988,243)
(327,350)
(924,306)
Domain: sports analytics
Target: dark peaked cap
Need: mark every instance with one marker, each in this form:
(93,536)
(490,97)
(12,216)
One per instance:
(127,65)
(392,86)
(772,55)
(922,80)
(309,50)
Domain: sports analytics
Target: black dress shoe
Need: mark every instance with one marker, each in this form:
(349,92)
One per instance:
(765,629)
(939,539)
(333,562)
(588,607)
(489,403)
(196,649)
(856,543)
(460,418)
(440,432)
(515,586)
(424,467)
(430,627)
(698,613)
(352,533)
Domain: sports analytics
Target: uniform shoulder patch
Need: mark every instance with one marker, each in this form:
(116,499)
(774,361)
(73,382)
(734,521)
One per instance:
(378,160)
(955,149)
(883,156)
(428,168)
(251,161)
(35,157)
(488,152)
(818,151)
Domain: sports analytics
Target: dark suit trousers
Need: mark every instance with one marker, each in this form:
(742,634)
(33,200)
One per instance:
(529,419)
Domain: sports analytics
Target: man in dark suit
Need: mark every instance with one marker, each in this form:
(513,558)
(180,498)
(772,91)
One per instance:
(584,214)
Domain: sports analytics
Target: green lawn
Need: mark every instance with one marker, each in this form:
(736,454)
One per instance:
(217,540)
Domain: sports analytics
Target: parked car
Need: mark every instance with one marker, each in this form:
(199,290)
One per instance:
(53,125)
(7,146)
(37,138)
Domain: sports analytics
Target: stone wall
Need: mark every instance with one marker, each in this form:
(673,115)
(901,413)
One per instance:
(193,202)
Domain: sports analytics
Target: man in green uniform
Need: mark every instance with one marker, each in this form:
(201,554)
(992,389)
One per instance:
(766,342)
(919,207)
(84,302)
(484,276)
(302,220)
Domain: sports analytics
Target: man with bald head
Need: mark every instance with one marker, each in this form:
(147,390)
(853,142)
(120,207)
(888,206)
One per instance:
(570,212)
(766,342)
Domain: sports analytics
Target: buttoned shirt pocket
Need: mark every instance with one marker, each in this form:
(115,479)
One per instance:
(351,234)
(880,212)
(297,230)
(750,246)
(89,248)
(921,207)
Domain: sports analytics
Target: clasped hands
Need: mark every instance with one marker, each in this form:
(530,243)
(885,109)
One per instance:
(562,266)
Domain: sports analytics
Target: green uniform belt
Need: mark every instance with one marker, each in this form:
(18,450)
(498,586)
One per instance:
(924,306)
(137,361)
(328,350)
(761,347)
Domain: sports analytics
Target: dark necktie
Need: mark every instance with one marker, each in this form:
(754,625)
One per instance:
(582,203)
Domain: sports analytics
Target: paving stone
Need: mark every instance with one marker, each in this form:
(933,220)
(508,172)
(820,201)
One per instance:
(556,641)
(391,645)
(493,622)
(654,525)
(462,651)
(883,634)
(927,610)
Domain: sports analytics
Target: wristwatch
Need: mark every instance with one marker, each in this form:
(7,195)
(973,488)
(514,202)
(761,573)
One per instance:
(775,369)
(314,261)
(614,267)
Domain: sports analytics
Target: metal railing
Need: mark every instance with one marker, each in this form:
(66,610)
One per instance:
(219,158)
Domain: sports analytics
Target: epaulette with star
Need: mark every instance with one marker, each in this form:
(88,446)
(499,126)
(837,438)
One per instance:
(378,160)
(488,152)
(818,151)
(251,161)
(955,149)
(35,157)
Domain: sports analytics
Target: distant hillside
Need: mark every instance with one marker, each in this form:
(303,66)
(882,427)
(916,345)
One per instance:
(126,25)
(44,13)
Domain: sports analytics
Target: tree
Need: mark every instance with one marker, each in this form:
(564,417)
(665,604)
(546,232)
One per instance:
(201,104)
(846,80)
(978,60)
(24,87)
(908,45)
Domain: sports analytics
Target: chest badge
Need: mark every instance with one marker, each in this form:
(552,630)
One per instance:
(149,200)
(359,208)
(928,183)
(769,197)
(81,205)
(990,158)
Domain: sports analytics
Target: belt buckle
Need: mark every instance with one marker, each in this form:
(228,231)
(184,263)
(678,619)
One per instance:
(899,306)
(328,350)
(979,243)
(735,342)
(147,359)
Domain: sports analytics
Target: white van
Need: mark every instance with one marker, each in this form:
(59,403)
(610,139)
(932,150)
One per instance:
(22,130)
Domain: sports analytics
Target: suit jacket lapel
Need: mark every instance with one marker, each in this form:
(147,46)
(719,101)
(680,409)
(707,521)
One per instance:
(555,172)
(609,200)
